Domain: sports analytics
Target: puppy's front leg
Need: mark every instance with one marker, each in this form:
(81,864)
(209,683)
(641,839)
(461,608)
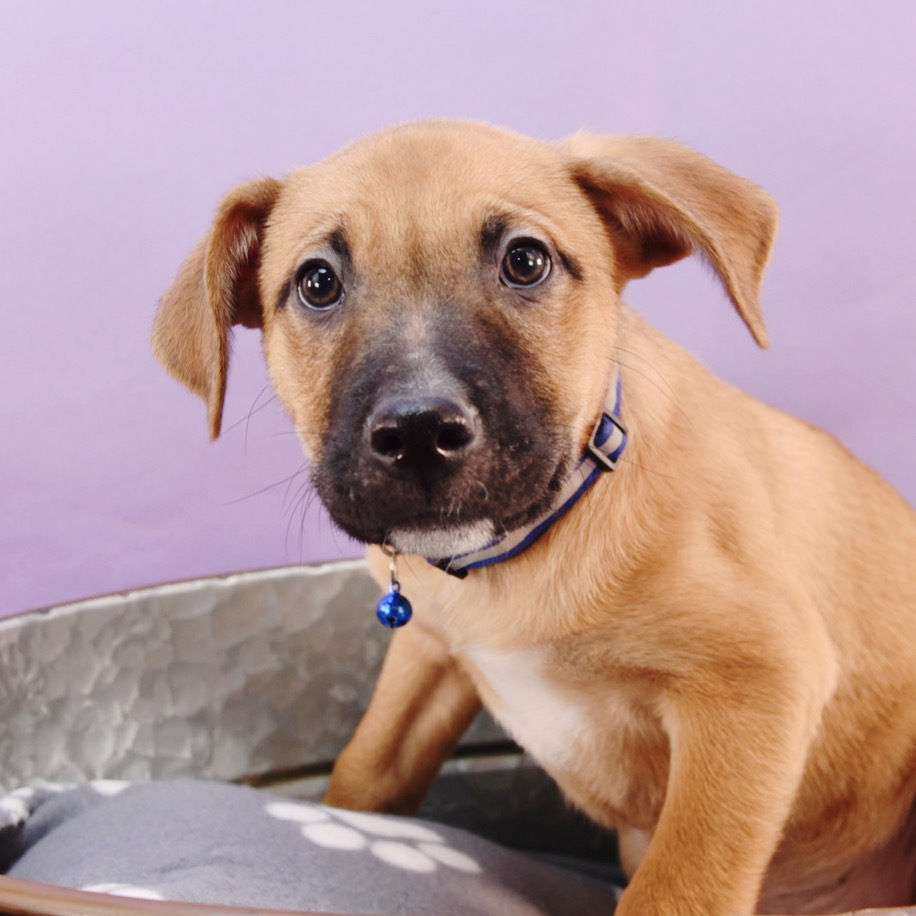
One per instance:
(423,703)
(736,765)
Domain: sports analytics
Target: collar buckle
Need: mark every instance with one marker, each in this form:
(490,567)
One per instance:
(607,442)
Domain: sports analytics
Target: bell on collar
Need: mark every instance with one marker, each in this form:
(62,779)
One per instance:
(393,610)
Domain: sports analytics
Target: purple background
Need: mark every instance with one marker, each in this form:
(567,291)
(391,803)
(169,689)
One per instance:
(122,124)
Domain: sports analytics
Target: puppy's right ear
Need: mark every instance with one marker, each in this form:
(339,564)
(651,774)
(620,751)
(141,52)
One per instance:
(216,288)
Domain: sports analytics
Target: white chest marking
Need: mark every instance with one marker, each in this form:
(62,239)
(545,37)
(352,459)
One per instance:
(536,714)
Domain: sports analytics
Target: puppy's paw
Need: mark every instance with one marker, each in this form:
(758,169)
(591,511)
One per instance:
(17,807)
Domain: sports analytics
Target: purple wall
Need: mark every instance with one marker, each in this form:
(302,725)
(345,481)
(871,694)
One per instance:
(122,124)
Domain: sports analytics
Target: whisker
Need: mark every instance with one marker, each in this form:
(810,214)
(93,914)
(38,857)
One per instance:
(255,408)
(298,507)
(306,484)
(271,486)
(659,382)
(624,460)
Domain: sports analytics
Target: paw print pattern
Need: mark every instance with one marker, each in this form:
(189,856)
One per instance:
(123,890)
(401,844)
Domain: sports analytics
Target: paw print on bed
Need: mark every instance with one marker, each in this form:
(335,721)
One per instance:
(400,843)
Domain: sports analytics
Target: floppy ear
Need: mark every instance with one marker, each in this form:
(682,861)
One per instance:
(216,287)
(661,202)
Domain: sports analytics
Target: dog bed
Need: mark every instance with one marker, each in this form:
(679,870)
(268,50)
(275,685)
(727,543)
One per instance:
(207,842)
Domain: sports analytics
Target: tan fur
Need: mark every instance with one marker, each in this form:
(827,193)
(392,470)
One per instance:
(730,617)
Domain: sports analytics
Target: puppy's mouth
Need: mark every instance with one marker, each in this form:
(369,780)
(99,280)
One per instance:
(441,519)
(443,541)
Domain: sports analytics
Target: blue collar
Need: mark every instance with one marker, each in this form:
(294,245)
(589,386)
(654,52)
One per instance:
(606,445)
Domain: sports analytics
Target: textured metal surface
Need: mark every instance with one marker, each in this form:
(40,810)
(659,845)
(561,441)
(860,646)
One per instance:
(217,678)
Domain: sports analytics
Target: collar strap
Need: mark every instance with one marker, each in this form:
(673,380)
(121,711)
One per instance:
(605,446)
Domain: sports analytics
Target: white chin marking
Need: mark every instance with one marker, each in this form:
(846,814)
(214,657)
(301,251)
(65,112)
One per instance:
(443,542)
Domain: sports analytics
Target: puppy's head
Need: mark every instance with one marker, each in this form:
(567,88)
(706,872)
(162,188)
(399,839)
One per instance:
(439,307)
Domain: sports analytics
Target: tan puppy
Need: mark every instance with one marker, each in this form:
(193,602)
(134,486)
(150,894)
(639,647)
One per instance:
(713,650)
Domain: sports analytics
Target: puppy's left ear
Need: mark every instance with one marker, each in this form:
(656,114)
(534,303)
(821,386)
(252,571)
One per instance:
(216,287)
(661,202)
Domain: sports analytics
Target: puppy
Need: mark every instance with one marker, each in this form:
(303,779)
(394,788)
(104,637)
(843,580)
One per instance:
(697,613)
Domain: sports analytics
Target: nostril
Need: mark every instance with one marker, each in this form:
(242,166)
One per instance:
(453,437)
(387,442)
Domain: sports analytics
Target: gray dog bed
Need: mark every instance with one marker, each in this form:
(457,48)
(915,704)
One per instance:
(208,842)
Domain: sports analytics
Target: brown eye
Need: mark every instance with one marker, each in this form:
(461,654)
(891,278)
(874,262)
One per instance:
(318,286)
(525,264)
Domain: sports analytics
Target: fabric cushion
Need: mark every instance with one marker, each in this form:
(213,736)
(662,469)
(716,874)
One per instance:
(210,842)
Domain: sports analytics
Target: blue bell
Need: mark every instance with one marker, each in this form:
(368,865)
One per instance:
(393,610)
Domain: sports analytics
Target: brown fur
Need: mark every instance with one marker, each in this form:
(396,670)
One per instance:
(731,614)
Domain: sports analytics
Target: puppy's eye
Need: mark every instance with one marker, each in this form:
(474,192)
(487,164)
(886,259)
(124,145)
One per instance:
(318,286)
(525,264)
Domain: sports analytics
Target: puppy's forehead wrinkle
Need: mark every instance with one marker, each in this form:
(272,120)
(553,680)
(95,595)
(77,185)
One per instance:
(329,234)
(492,232)
(337,240)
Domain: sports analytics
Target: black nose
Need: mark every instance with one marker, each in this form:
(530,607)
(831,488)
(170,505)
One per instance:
(422,433)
